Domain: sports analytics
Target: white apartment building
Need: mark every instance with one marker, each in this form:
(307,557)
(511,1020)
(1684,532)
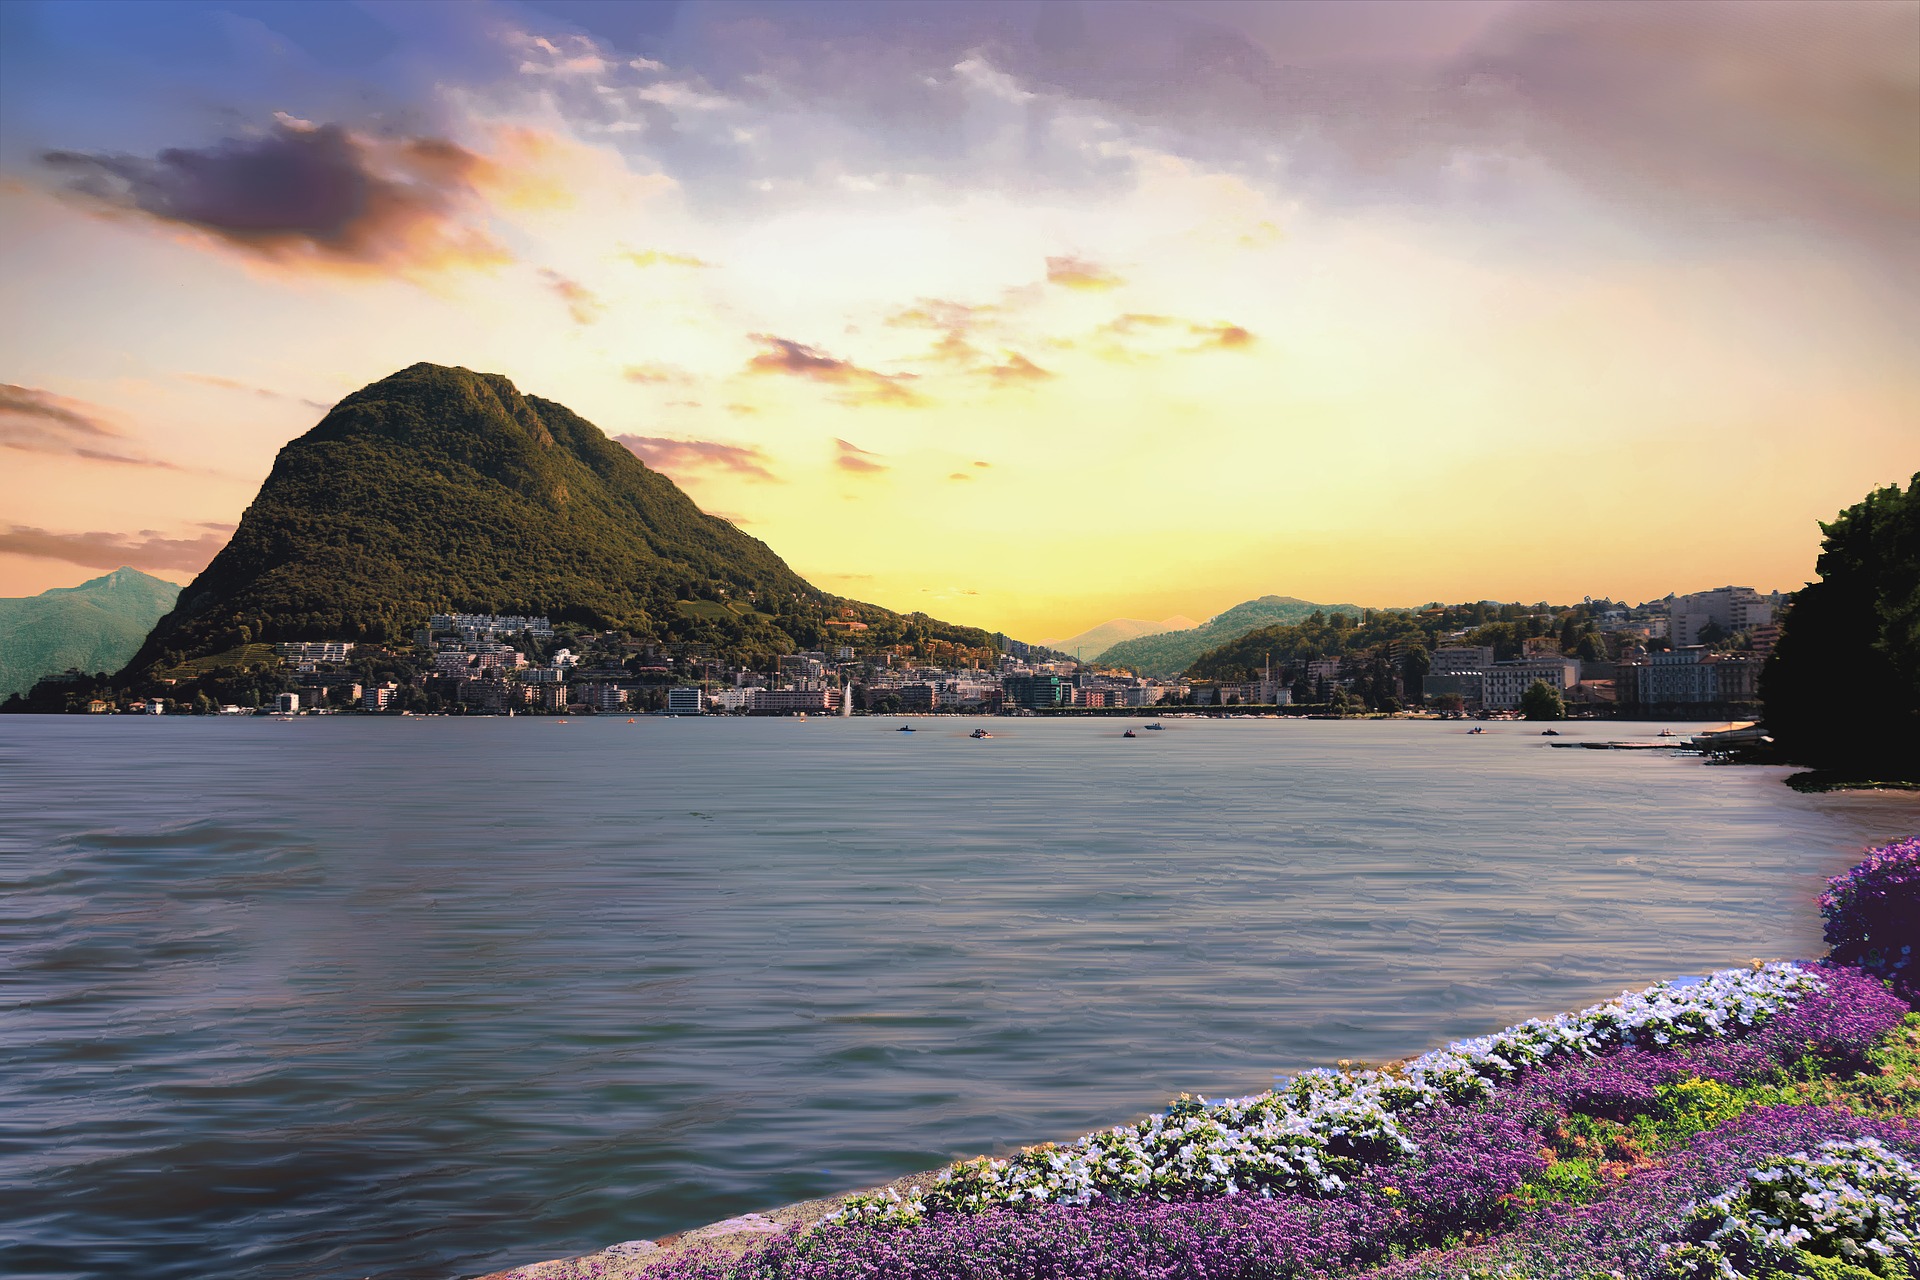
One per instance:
(1730,608)
(684,701)
(1505,683)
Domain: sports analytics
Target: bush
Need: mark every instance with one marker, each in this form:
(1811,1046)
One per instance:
(1873,915)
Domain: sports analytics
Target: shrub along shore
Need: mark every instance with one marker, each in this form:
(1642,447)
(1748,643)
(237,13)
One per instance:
(1757,1123)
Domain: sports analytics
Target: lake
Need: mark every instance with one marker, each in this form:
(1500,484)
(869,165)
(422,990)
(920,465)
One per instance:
(351,997)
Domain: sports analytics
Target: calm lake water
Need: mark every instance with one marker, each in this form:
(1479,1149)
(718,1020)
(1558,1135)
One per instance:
(350,997)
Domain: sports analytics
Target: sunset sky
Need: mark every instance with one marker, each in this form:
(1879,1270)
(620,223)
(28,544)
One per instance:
(1025,314)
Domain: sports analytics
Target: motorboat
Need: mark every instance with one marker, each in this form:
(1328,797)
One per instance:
(1129,734)
(1478,729)
(1666,733)
(907,728)
(1154,726)
(1549,733)
(979,733)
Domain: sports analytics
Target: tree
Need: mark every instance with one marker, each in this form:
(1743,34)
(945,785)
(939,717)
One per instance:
(1448,704)
(1841,689)
(1541,701)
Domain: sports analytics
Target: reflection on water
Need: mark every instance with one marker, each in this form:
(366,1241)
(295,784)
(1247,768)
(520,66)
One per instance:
(421,998)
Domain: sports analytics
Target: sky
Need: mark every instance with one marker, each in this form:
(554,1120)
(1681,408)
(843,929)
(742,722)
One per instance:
(1027,315)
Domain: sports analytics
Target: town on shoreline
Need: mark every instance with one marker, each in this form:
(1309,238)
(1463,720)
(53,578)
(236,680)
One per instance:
(1686,658)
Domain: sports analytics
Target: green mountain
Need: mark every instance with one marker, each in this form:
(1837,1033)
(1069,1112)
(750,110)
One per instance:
(440,489)
(95,626)
(1171,652)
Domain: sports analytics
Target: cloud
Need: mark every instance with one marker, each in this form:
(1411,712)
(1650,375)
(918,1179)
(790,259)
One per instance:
(231,384)
(1077,273)
(568,56)
(1143,335)
(861,386)
(651,375)
(1230,337)
(654,258)
(857,460)
(582,303)
(680,457)
(146,549)
(35,421)
(1018,369)
(304,196)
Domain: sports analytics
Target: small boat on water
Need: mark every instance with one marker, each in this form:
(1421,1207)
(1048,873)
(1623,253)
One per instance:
(1549,733)
(1666,733)
(1155,726)
(979,733)
(1477,729)
(907,728)
(1129,734)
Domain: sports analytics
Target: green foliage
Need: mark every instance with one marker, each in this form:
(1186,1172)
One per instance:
(1541,701)
(1171,652)
(95,626)
(1842,686)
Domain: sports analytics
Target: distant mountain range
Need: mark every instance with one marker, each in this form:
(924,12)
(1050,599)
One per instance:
(1098,639)
(440,489)
(1171,652)
(95,626)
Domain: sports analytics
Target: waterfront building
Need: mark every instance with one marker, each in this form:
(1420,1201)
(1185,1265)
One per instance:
(1505,683)
(379,697)
(1692,677)
(787,701)
(601,696)
(919,697)
(286,703)
(1036,692)
(684,701)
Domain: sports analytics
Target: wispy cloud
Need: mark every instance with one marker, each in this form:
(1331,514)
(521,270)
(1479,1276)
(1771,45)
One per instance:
(852,458)
(858,385)
(36,421)
(147,549)
(1144,335)
(681,457)
(655,375)
(247,388)
(582,303)
(304,195)
(654,258)
(1071,272)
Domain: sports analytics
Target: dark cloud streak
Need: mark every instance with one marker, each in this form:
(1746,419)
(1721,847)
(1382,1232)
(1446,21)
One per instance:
(146,549)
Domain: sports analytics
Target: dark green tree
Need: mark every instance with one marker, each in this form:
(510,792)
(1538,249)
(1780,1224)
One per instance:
(1541,701)
(1841,689)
